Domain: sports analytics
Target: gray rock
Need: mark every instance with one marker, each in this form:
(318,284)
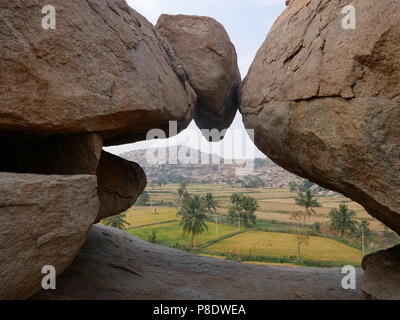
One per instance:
(120,182)
(381,279)
(103,69)
(44,220)
(115,265)
(324,101)
(210,62)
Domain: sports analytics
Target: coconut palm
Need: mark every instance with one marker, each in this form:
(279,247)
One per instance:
(211,204)
(242,210)
(250,206)
(118,221)
(343,220)
(306,199)
(182,192)
(193,217)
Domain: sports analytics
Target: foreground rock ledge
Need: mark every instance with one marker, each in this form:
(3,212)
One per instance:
(381,279)
(44,220)
(114,265)
(324,102)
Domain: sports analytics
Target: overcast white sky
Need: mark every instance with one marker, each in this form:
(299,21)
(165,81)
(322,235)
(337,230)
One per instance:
(247,23)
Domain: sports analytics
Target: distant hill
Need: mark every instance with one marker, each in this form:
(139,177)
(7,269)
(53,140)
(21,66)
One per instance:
(198,167)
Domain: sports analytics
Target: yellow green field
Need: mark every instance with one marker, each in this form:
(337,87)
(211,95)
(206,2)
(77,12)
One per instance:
(276,204)
(141,216)
(272,242)
(281,245)
(171,233)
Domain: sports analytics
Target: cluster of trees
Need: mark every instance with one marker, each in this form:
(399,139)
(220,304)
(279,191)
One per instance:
(342,220)
(253,182)
(161,181)
(300,187)
(195,211)
(143,199)
(242,212)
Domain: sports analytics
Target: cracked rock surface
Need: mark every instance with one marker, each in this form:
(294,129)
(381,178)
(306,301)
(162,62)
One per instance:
(103,69)
(325,101)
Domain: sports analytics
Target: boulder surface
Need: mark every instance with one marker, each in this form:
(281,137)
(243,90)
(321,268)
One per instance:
(381,279)
(115,265)
(104,68)
(44,220)
(120,182)
(324,101)
(210,62)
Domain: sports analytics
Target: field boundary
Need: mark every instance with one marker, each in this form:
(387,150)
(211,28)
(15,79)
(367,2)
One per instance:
(210,243)
(282,260)
(152,224)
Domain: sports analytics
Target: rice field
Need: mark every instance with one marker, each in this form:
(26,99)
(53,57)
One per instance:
(142,216)
(276,204)
(278,246)
(171,233)
(282,245)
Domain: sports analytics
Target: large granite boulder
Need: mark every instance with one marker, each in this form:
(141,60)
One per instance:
(44,220)
(120,182)
(210,61)
(104,68)
(115,265)
(324,101)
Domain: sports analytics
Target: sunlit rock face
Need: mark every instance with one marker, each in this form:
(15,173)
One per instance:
(44,220)
(120,182)
(210,62)
(324,101)
(103,68)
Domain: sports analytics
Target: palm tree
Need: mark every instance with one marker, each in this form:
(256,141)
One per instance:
(235,211)
(363,232)
(250,206)
(193,218)
(118,221)
(182,192)
(343,220)
(304,199)
(211,204)
(243,209)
